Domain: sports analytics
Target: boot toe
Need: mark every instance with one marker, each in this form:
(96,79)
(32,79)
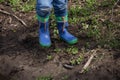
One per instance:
(69,38)
(45,41)
(73,41)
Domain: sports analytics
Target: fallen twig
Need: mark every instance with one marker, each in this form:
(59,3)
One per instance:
(20,20)
(89,61)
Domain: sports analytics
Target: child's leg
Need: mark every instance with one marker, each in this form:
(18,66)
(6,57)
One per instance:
(61,12)
(43,8)
(60,7)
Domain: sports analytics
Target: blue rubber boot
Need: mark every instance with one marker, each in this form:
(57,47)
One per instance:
(44,35)
(64,34)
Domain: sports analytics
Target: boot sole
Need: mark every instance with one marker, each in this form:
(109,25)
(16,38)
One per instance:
(45,46)
(70,42)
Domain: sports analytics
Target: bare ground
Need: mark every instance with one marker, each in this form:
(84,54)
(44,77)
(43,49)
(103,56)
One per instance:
(21,57)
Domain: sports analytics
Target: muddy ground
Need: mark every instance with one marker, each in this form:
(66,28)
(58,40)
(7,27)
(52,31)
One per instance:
(21,57)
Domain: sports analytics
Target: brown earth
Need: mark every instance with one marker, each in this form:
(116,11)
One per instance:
(21,57)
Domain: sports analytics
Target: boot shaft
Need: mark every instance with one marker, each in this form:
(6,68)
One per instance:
(62,26)
(44,27)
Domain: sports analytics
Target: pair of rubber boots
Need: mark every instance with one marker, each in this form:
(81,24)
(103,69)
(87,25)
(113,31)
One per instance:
(44,35)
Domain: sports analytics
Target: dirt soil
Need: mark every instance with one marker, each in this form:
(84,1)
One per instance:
(21,57)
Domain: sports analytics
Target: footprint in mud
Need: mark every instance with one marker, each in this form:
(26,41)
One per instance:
(29,40)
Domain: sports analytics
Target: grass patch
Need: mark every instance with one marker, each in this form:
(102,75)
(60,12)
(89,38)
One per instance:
(104,32)
(45,78)
(25,6)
